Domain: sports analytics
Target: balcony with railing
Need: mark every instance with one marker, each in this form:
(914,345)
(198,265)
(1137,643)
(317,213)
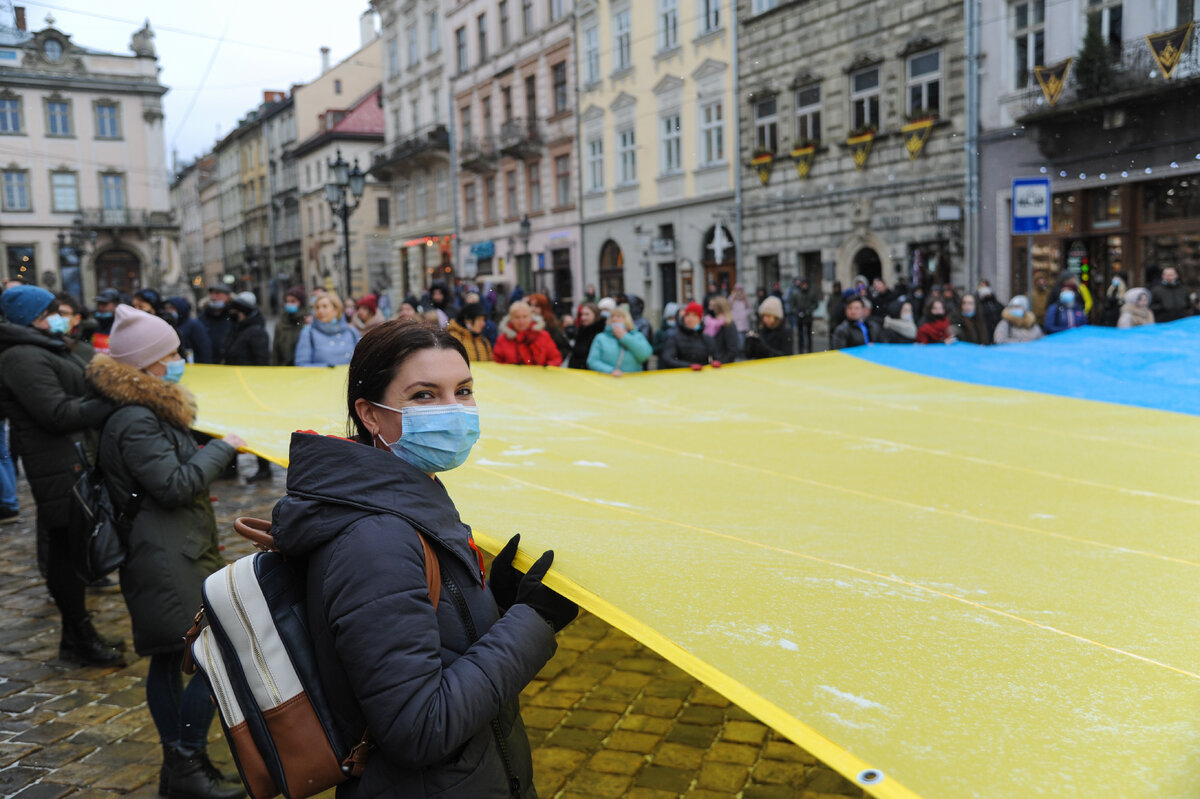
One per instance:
(421,146)
(479,154)
(520,138)
(124,219)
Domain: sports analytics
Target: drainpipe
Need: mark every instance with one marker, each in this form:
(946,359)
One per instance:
(971,144)
(737,150)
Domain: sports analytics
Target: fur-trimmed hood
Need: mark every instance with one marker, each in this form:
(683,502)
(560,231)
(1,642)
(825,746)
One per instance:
(509,333)
(125,385)
(1027,320)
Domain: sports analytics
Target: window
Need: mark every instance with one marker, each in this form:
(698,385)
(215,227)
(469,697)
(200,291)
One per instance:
(808,115)
(712,132)
(435,103)
(414,47)
(471,212)
(531,99)
(460,48)
(596,165)
(393,57)
(864,99)
(534,180)
(556,10)
(627,156)
(64,190)
(559,71)
(422,198)
(337,86)
(1029,40)
(562,180)
(53,49)
(1106,14)
(58,118)
(489,198)
(510,193)
(591,54)
(435,41)
(506,102)
(668,24)
(925,84)
(20,261)
(112,190)
(527,26)
(381,212)
(710,15)
(766,127)
(621,41)
(505,39)
(16,191)
(762,6)
(481,26)
(441,193)
(395,122)
(108,124)
(464,116)
(486,104)
(672,145)
(10,115)
(401,203)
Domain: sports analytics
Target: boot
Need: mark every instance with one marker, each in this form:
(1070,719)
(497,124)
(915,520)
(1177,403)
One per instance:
(108,641)
(194,777)
(81,644)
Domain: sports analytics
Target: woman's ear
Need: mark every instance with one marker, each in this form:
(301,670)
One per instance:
(368,413)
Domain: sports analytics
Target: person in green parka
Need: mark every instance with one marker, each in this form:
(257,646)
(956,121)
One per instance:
(288,327)
(146,449)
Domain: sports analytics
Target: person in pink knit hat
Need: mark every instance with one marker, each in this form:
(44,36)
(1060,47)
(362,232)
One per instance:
(155,470)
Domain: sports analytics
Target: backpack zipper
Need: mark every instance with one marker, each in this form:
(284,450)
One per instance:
(460,604)
(263,671)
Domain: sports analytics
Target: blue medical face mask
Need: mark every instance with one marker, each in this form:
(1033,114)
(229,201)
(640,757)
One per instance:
(291,307)
(104,314)
(1017,312)
(436,438)
(58,323)
(969,314)
(1067,297)
(174,370)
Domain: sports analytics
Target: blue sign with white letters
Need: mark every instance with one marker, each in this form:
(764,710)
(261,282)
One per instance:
(1030,206)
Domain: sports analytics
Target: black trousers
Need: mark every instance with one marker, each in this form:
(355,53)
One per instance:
(54,559)
(804,342)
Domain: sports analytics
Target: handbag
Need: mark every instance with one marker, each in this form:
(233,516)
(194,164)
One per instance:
(99,526)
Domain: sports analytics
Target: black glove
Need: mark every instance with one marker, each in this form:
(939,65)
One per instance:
(552,606)
(505,578)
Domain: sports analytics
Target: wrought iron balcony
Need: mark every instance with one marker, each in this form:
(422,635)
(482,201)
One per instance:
(424,144)
(124,219)
(479,154)
(520,138)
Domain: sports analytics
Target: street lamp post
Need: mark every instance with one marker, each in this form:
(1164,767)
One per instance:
(343,196)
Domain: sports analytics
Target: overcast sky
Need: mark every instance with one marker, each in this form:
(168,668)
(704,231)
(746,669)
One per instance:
(251,45)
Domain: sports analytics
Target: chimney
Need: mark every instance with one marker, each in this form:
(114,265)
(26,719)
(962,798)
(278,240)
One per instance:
(20,14)
(366,27)
(324,60)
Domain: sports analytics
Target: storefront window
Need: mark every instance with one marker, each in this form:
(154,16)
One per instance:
(1178,198)
(1180,250)
(1106,207)
(1062,214)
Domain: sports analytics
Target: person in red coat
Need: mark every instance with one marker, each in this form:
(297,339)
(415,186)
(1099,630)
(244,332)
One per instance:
(936,328)
(523,339)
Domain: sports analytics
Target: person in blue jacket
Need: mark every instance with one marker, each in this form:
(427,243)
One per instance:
(436,689)
(329,340)
(1066,313)
(620,348)
(193,338)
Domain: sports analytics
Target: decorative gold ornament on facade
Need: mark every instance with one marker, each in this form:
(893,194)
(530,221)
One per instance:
(803,156)
(1169,46)
(860,148)
(762,165)
(1053,79)
(916,133)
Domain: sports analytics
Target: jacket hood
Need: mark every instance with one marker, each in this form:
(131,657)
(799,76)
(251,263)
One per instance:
(1133,295)
(12,335)
(183,306)
(511,334)
(253,320)
(636,305)
(125,385)
(332,482)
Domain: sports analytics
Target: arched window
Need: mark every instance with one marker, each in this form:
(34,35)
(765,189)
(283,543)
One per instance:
(612,269)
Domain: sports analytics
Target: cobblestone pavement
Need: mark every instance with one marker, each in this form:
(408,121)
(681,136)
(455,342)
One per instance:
(607,717)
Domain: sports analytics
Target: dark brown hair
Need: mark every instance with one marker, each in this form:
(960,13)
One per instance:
(380,354)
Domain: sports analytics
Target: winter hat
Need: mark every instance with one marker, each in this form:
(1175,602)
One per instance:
(607,304)
(22,304)
(139,339)
(693,307)
(771,305)
(297,293)
(109,295)
(370,302)
(670,312)
(219,288)
(244,301)
(149,295)
(1019,301)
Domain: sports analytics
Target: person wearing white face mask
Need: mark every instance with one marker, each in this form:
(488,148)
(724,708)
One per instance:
(436,686)
(1017,323)
(158,475)
(45,398)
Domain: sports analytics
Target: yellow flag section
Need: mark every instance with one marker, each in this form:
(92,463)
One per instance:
(942,590)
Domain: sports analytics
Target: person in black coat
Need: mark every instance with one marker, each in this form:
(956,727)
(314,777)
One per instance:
(193,338)
(687,346)
(858,329)
(248,344)
(589,323)
(45,399)
(772,339)
(436,689)
(216,320)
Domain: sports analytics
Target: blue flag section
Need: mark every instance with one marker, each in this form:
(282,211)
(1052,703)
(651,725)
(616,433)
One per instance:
(1156,366)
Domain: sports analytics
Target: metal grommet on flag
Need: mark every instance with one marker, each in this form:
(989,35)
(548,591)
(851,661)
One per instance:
(869,776)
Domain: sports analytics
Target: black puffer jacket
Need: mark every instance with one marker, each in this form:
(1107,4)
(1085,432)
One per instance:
(438,692)
(44,395)
(147,447)
(584,336)
(248,343)
(771,342)
(685,347)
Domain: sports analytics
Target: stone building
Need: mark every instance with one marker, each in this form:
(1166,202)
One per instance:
(84,202)
(1120,143)
(279,126)
(658,152)
(852,115)
(512,84)
(188,209)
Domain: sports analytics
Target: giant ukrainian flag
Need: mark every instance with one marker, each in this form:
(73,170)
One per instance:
(946,571)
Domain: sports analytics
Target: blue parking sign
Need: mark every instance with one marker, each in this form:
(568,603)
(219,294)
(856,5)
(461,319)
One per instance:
(1030,205)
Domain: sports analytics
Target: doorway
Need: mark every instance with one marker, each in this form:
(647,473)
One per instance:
(118,269)
(866,263)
